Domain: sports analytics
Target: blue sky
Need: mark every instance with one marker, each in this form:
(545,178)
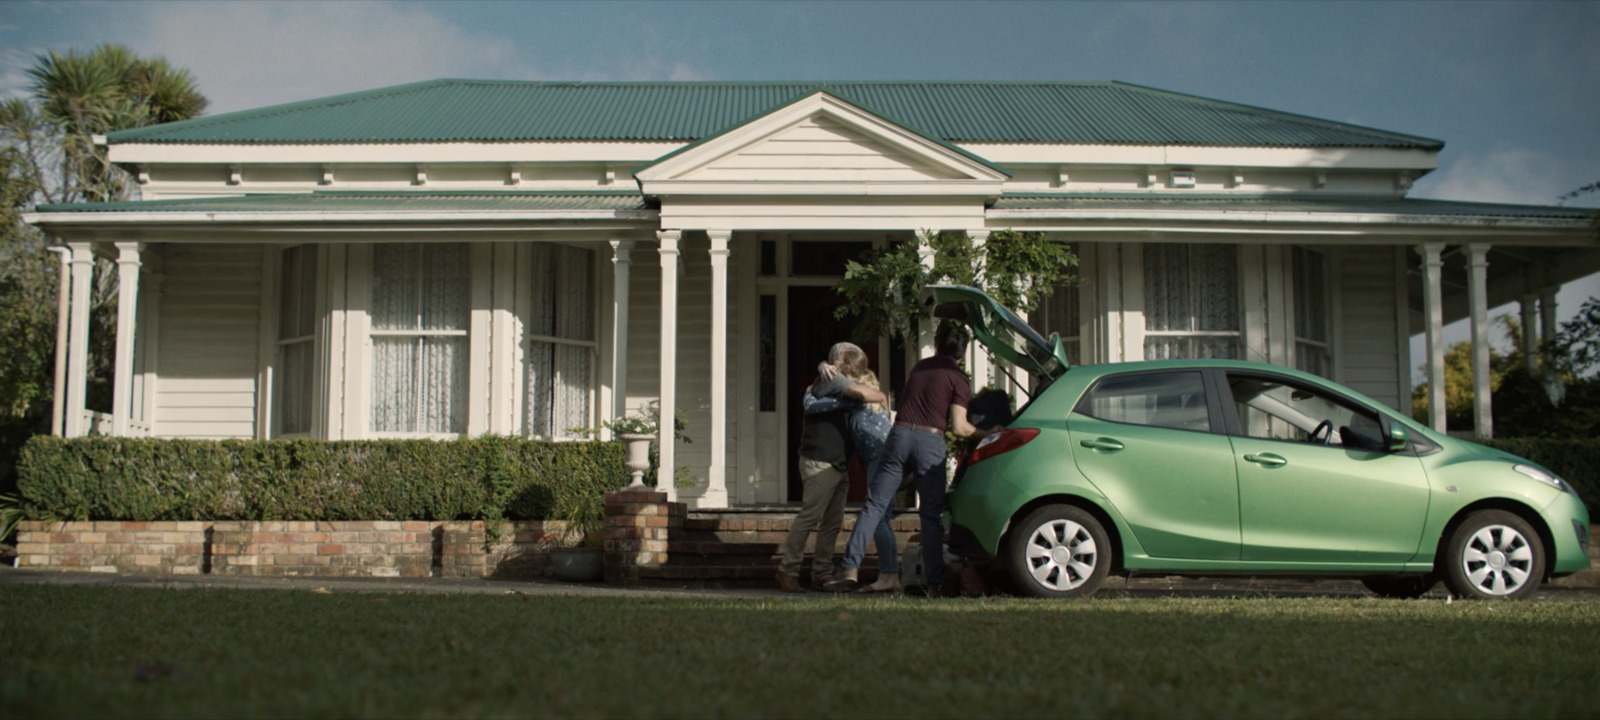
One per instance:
(1509,86)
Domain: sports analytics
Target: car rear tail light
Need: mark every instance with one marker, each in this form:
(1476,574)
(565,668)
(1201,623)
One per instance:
(1001,442)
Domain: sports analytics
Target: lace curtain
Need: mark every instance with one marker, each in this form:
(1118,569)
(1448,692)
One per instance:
(1311,348)
(297,317)
(561,345)
(1191,301)
(1061,316)
(419,310)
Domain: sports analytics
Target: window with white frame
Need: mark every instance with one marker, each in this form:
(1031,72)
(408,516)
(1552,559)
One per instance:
(1060,314)
(296,374)
(561,347)
(1191,301)
(1311,350)
(420,314)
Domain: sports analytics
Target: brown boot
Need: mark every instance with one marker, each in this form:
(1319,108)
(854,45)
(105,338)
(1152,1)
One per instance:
(789,583)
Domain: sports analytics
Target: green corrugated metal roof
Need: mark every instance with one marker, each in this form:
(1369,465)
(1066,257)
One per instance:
(356,201)
(1021,112)
(1133,202)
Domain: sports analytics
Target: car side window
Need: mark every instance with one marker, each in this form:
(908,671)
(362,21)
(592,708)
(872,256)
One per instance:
(1272,409)
(1174,400)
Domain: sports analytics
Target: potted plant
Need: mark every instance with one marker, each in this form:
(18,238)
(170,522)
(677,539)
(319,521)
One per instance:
(581,554)
(637,432)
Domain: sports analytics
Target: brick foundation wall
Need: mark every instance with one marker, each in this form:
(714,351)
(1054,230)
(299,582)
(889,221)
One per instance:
(325,548)
(639,524)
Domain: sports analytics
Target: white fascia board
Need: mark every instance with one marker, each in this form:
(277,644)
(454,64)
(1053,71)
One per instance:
(1562,231)
(1275,234)
(1259,216)
(767,125)
(275,218)
(376,153)
(981,188)
(1216,156)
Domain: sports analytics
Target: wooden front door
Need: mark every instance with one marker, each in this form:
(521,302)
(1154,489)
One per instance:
(813,329)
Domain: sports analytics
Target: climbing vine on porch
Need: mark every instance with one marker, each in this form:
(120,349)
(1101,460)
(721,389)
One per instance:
(1017,269)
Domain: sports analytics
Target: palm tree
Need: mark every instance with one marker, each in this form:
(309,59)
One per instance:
(48,155)
(104,90)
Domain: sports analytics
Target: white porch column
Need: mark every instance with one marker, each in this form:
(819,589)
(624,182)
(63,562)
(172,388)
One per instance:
(925,253)
(1547,314)
(716,494)
(982,373)
(150,329)
(78,338)
(666,470)
(621,266)
(63,290)
(127,327)
(1478,297)
(1433,310)
(1528,306)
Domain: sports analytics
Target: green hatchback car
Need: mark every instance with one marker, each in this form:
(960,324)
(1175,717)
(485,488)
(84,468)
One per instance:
(1221,467)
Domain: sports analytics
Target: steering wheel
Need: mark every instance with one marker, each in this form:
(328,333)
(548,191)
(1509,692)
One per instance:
(1324,428)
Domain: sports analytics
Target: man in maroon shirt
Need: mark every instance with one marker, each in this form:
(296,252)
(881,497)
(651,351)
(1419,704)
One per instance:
(936,391)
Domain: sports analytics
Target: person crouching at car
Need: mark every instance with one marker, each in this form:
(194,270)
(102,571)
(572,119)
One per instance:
(824,461)
(936,391)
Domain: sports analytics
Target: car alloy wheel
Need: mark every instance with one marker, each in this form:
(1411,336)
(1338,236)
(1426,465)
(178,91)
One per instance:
(1495,554)
(1059,551)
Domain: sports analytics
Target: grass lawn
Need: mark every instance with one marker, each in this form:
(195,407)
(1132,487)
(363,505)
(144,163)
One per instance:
(137,652)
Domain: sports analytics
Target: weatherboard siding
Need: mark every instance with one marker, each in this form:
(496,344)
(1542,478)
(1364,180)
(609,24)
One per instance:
(820,149)
(209,330)
(1367,336)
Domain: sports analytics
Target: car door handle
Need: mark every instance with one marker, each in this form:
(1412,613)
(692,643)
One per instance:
(1106,444)
(1266,459)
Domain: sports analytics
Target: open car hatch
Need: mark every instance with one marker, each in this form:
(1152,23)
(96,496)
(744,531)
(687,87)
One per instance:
(999,329)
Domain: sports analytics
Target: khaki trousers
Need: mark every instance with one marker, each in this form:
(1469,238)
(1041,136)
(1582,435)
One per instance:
(821,509)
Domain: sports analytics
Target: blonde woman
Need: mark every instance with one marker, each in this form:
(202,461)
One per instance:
(869,426)
(825,444)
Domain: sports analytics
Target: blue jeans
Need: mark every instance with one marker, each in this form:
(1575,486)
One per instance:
(924,453)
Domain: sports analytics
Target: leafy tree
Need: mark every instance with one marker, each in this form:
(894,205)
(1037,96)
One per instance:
(1522,400)
(1459,390)
(48,155)
(1017,269)
(1576,347)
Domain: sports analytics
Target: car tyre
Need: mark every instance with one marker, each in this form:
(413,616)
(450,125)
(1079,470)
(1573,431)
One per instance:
(1059,551)
(1494,555)
(1401,587)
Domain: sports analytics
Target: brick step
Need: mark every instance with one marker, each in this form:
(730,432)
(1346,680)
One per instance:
(716,547)
(772,537)
(781,524)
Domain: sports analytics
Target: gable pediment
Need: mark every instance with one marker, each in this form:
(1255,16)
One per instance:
(821,145)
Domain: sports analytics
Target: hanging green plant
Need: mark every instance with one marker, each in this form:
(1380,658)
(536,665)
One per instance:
(1017,269)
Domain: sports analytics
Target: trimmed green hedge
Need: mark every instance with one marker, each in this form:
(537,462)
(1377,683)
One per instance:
(102,478)
(1576,461)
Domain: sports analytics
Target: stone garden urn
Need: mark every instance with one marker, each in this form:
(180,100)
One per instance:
(638,459)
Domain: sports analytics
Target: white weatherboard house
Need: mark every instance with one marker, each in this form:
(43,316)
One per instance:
(462,257)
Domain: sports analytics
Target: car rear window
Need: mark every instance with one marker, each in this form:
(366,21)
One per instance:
(1174,400)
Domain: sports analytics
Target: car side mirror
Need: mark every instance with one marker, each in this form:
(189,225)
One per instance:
(1399,439)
